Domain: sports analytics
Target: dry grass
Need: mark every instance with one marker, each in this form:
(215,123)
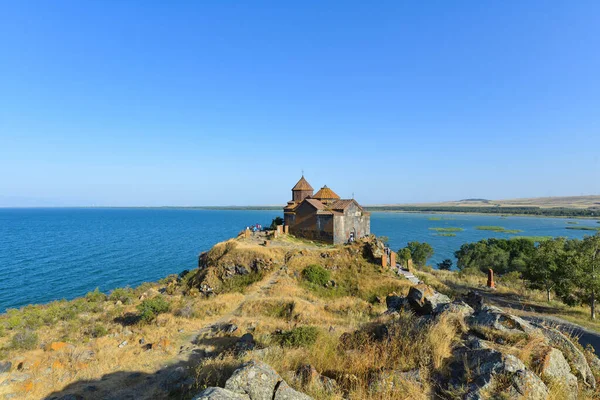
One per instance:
(352,346)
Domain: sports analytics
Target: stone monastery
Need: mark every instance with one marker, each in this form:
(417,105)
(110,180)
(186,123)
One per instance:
(324,216)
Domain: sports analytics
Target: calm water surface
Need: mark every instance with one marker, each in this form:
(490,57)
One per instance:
(49,254)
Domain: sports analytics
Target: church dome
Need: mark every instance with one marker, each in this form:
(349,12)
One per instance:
(303,185)
(325,194)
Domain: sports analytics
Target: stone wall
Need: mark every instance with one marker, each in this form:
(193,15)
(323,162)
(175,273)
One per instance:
(353,220)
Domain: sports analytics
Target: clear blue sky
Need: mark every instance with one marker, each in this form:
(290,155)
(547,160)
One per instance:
(219,103)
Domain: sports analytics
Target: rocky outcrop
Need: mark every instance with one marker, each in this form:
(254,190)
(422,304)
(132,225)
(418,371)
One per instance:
(485,363)
(571,353)
(253,381)
(496,318)
(488,369)
(424,300)
(554,367)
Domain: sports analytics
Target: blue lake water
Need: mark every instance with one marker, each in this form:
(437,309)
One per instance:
(49,254)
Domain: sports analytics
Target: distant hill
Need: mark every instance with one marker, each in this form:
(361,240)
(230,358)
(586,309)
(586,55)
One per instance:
(578,202)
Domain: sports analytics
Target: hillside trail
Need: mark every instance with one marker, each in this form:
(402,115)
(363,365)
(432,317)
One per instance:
(203,341)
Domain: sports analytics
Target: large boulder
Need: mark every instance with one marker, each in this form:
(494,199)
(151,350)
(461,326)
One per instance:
(424,300)
(256,379)
(458,307)
(253,381)
(496,318)
(486,368)
(571,353)
(554,367)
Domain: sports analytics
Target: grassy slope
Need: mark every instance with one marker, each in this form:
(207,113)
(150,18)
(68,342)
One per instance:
(279,300)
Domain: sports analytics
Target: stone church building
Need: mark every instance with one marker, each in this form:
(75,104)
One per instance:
(324,216)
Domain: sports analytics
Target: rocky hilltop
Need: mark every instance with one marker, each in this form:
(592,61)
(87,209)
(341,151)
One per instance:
(290,319)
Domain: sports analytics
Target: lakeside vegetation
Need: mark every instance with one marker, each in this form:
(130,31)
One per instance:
(499,229)
(449,229)
(583,228)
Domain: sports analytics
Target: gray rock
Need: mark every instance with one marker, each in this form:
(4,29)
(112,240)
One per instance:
(526,384)
(395,303)
(19,377)
(475,343)
(473,299)
(245,343)
(260,382)
(456,307)
(285,392)
(424,300)
(571,353)
(217,393)
(555,367)
(5,366)
(123,344)
(484,365)
(256,379)
(496,318)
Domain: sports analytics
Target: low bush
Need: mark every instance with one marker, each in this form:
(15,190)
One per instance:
(96,296)
(150,308)
(98,331)
(26,340)
(316,274)
(239,283)
(124,295)
(302,336)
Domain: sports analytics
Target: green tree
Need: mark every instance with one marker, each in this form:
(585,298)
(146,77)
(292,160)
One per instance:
(276,221)
(445,265)
(404,256)
(545,268)
(587,271)
(420,252)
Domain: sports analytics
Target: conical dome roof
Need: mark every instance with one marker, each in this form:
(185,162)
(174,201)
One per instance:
(302,185)
(326,194)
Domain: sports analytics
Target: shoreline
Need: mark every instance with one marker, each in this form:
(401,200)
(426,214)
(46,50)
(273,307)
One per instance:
(277,208)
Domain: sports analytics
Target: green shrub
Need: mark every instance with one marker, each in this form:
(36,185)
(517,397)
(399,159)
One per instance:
(96,296)
(150,308)
(2,332)
(124,295)
(302,336)
(144,287)
(25,340)
(316,274)
(98,331)
(238,283)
